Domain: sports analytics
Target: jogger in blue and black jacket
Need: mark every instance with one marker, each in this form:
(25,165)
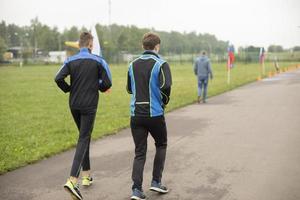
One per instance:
(149,83)
(88,74)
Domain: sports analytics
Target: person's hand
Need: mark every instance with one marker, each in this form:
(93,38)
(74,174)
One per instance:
(211,77)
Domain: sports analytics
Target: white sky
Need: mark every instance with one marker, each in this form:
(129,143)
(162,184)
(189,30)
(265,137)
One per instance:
(242,22)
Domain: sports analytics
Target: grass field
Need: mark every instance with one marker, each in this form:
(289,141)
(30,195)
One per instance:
(35,121)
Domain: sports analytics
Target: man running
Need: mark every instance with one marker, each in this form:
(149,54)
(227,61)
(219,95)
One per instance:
(149,83)
(88,74)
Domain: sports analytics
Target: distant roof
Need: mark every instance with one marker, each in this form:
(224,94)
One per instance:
(57,53)
(18,48)
(14,48)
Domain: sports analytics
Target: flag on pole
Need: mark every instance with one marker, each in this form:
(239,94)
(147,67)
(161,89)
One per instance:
(96,45)
(262,60)
(261,55)
(230,59)
(97,51)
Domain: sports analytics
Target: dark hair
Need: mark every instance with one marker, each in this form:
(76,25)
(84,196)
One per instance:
(150,40)
(85,38)
(203,52)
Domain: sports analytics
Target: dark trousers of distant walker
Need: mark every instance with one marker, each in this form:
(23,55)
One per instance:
(140,127)
(202,85)
(84,120)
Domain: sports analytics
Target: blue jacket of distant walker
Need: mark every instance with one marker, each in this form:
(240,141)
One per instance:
(202,68)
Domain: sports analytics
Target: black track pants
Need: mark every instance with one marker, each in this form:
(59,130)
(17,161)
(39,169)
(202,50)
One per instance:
(84,120)
(140,127)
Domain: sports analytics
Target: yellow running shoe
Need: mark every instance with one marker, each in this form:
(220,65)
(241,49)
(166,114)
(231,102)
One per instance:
(87,181)
(73,189)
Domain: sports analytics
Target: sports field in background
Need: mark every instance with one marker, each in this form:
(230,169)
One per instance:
(35,121)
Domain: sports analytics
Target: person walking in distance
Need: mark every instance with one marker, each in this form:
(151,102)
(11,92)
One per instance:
(88,74)
(149,83)
(203,71)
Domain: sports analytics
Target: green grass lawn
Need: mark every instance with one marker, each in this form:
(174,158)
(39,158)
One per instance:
(35,121)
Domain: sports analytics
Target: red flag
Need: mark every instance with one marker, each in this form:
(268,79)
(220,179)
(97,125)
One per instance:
(230,59)
(261,55)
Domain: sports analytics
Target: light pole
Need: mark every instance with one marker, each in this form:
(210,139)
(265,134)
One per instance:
(209,49)
(21,49)
(109,12)
(21,38)
(59,42)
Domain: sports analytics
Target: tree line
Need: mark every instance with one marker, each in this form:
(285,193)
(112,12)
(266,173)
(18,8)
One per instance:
(115,40)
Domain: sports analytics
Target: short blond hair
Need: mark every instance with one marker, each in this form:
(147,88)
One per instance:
(84,39)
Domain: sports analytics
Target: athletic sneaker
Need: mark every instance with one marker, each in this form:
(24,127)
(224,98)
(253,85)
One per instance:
(199,100)
(73,189)
(87,181)
(157,187)
(138,194)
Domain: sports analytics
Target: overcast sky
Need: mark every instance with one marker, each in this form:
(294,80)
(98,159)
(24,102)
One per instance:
(242,22)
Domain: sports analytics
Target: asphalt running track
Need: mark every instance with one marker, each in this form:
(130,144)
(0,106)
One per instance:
(241,145)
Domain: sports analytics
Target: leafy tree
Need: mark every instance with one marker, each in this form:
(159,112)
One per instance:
(3,47)
(275,48)
(296,48)
(252,49)
(114,39)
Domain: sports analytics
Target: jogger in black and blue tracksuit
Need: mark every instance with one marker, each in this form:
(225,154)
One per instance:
(88,74)
(149,83)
